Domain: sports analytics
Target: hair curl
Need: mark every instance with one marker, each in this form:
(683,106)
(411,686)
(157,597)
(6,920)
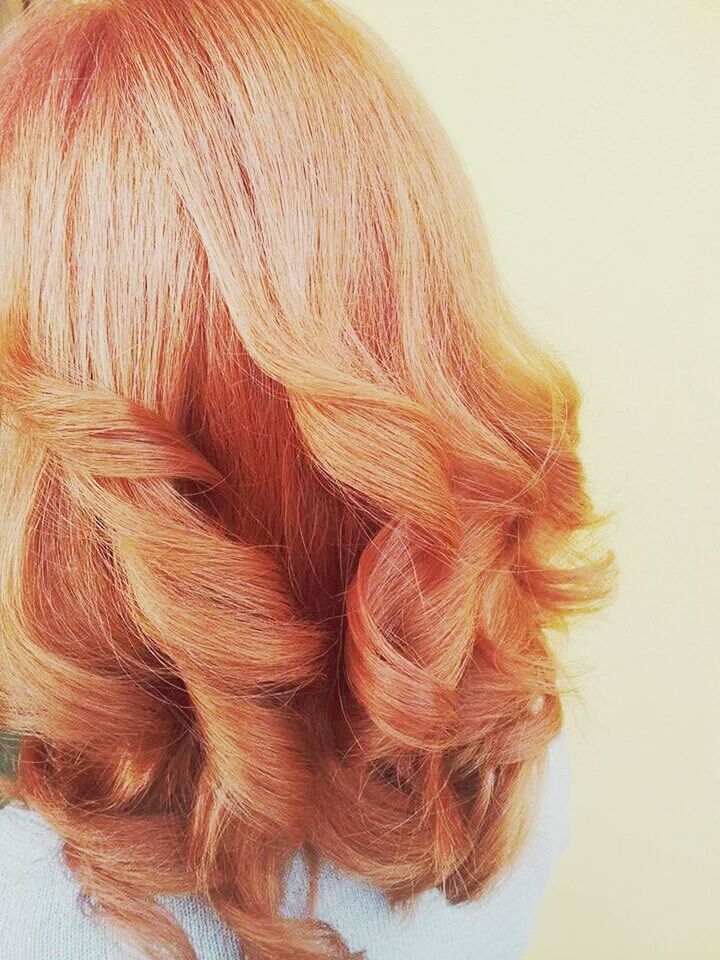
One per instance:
(289,499)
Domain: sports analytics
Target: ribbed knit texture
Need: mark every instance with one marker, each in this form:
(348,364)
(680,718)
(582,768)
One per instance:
(42,916)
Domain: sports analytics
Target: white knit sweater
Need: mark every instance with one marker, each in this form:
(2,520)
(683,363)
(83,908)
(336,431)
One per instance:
(42,917)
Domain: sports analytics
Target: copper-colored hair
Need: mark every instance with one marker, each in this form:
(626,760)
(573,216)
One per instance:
(288,498)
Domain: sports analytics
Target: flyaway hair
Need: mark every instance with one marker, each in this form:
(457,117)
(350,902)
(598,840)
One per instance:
(289,500)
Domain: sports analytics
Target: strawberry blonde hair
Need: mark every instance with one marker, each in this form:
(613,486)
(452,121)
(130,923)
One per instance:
(289,500)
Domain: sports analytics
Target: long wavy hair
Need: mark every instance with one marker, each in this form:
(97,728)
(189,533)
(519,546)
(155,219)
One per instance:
(290,502)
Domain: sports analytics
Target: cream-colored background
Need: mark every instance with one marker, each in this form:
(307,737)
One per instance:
(591,130)
(8,9)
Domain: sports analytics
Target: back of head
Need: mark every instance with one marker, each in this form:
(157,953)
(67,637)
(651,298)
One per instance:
(289,499)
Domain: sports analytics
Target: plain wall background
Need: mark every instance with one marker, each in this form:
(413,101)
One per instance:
(591,131)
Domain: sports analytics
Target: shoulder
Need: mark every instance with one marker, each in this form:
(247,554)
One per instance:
(40,901)
(551,831)
(44,915)
(495,927)
(26,844)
